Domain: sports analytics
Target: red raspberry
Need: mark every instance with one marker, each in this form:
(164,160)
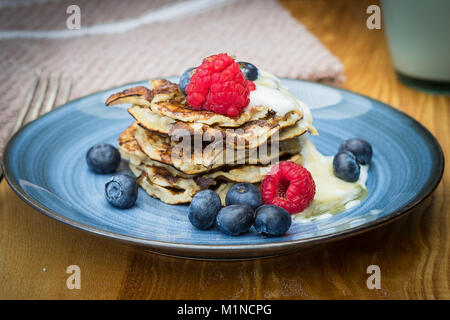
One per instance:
(288,185)
(219,85)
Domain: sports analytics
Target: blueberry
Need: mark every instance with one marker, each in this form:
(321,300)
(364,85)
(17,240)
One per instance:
(184,79)
(249,70)
(235,219)
(272,220)
(244,193)
(360,148)
(121,191)
(204,208)
(103,158)
(345,166)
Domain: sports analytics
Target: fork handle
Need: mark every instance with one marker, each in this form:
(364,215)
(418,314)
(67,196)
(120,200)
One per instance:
(24,110)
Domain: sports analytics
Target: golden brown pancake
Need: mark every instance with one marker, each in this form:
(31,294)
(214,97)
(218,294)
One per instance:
(165,99)
(249,135)
(160,183)
(162,149)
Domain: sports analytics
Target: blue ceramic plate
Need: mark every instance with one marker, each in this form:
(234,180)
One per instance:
(45,165)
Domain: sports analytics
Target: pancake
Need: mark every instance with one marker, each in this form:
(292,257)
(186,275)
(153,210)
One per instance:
(152,121)
(171,195)
(162,177)
(166,195)
(161,148)
(245,173)
(248,173)
(174,196)
(131,151)
(292,132)
(165,99)
(129,148)
(250,135)
(159,183)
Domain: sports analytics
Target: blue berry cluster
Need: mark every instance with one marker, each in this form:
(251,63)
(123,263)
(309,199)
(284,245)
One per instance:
(351,154)
(121,190)
(243,210)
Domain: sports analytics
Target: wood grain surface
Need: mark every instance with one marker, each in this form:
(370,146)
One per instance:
(413,252)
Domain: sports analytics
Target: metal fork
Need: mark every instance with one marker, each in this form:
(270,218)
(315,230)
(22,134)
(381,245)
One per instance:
(40,100)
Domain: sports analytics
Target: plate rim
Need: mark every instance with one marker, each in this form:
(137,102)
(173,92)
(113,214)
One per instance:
(189,249)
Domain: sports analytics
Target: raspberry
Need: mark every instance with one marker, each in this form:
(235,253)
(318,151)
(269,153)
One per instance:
(288,185)
(219,85)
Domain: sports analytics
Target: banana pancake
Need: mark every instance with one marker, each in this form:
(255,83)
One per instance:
(245,173)
(162,177)
(162,149)
(131,151)
(249,135)
(248,173)
(166,99)
(173,195)
(172,189)
(128,147)
(166,195)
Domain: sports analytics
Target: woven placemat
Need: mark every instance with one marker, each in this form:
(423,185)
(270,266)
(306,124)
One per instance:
(146,39)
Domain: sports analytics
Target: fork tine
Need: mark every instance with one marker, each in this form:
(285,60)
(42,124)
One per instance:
(65,95)
(37,105)
(26,106)
(51,96)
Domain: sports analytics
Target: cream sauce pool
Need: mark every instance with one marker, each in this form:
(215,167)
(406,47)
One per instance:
(332,194)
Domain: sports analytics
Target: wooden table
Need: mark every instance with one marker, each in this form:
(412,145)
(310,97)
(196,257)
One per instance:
(413,252)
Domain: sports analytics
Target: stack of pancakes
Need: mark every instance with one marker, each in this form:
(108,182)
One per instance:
(176,151)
